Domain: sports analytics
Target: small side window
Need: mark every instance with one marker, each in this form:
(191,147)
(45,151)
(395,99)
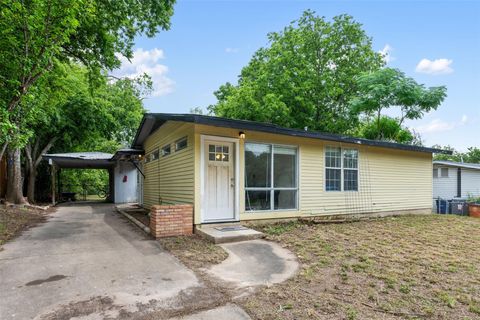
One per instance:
(154,155)
(181,144)
(444,172)
(166,150)
(435,173)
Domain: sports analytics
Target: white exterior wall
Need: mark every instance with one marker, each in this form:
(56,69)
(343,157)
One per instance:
(470,183)
(125,191)
(445,188)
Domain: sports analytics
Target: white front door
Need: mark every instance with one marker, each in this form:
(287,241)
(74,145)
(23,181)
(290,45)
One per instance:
(219,188)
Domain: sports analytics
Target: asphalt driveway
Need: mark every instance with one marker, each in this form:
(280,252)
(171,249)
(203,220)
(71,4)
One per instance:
(88,262)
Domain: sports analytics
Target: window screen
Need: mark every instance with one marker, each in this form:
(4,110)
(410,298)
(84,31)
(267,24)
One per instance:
(341,169)
(333,172)
(166,150)
(181,144)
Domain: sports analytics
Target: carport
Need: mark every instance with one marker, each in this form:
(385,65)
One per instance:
(122,171)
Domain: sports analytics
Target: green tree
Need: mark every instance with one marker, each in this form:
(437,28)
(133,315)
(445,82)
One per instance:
(304,78)
(66,113)
(35,34)
(387,88)
(472,155)
(387,129)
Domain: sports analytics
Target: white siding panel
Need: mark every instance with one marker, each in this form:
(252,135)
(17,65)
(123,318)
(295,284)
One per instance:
(125,191)
(445,188)
(470,183)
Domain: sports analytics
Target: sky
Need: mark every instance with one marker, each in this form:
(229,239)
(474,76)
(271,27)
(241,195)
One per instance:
(435,42)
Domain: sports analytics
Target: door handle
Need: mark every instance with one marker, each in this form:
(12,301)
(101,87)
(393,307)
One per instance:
(232,182)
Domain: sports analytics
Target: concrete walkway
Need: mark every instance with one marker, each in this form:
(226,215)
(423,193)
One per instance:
(227,312)
(256,262)
(86,261)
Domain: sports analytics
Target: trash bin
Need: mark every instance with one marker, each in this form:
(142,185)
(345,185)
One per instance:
(442,206)
(459,206)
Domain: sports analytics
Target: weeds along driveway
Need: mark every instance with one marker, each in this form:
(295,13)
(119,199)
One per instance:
(87,261)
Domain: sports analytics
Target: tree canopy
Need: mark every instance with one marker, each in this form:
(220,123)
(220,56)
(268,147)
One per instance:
(325,76)
(472,155)
(64,114)
(35,35)
(388,129)
(387,88)
(304,78)
(94,32)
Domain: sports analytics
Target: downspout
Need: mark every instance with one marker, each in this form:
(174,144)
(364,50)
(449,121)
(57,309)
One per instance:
(459,182)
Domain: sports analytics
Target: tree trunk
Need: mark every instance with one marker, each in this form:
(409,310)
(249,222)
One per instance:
(14,177)
(32,177)
(34,156)
(3,149)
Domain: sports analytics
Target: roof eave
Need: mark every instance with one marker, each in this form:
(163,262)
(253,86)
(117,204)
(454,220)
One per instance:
(270,128)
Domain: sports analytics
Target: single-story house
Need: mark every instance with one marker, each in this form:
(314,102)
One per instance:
(455,180)
(234,170)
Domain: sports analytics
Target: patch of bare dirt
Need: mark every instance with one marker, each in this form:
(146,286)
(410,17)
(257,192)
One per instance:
(194,251)
(411,267)
(81,308)
(15,220)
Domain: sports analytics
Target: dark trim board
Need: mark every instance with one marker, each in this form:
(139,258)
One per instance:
(459,182)
(152,121)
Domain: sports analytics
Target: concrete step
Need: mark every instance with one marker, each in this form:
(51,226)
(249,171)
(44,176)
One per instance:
(225,233)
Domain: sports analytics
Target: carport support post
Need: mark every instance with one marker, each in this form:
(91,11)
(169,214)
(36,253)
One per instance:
(59,185)
(111,185)
(53,171)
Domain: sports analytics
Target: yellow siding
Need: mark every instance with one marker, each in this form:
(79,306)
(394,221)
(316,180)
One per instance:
(170,179)
(389,179)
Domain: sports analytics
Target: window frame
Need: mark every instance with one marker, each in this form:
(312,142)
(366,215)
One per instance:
(435,173)
(441,173)
(177,149)
(272,188)
(151,156)
(162,153)
(342,168)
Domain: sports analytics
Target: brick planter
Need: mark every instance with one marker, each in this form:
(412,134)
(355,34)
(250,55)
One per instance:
(171,220)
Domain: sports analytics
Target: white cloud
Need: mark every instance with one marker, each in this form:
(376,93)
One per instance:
(147,61)
(386,53)
(438,125)
(231,50)
(438,66)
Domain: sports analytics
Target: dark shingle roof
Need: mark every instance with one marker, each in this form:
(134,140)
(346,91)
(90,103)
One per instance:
(152,121)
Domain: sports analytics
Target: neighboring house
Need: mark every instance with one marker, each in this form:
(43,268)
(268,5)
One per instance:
(455,180)
(235,170)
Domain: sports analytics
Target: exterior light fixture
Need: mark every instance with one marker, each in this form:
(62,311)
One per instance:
(241,134)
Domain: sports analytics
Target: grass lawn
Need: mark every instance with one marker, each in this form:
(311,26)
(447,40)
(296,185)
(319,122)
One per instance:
(411,267)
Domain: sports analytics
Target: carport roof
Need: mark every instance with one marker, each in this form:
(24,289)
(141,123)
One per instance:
(81,160)
(90,160)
